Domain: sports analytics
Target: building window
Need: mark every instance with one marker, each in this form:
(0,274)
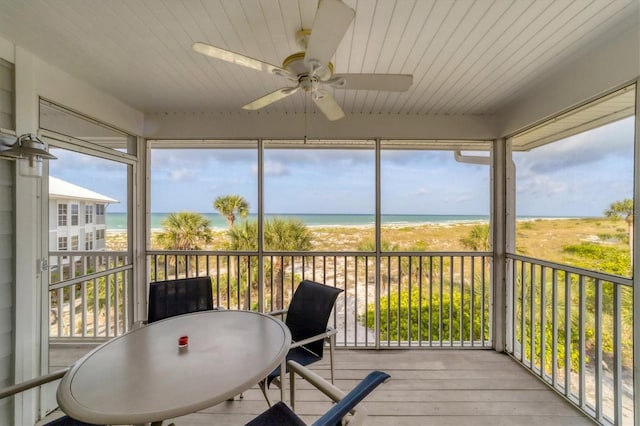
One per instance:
(74,242)
(100,234)
(62,215)
(88,214)
(88,242)
(74,215)
(99,209)
(62,243)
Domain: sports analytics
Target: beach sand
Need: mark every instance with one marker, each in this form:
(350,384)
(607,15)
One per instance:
(538,238)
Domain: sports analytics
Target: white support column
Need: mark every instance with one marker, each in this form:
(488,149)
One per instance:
(29,243)
(498,225)
(636,262)
(139,227)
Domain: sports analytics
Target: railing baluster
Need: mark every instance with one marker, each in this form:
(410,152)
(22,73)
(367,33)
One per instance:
(483,261)
(430,300)
(461,320)
(554,325)
(83,298)
(532,316)
(543,323)
(399,293)
(107,308)
(355,300)
(60,309)
(567,334)
(581,341)
(617,354)
(72,310)
(598,350)
(440,303)
(472,289)
(523,325)
(450,300)
(116,302)
(420,274)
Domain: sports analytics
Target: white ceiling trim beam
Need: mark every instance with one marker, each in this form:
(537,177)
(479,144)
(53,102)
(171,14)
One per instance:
(315,126)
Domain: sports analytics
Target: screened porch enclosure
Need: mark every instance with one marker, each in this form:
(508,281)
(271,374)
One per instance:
(565,320)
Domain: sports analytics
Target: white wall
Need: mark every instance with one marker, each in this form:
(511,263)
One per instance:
(34,79)
(7,260)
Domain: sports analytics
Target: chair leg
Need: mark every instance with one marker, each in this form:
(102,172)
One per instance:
(241,396)
(331,345)
(263,388)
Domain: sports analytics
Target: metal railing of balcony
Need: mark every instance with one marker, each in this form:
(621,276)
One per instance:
(407,300)
(573,328)
(88,294)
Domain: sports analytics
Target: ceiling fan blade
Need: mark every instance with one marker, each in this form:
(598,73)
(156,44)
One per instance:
(238,59)
(271,98)
(328,105)
(388,82)
(331,22)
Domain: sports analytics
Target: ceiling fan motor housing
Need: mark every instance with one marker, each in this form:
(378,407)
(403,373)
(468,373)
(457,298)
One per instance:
(295,65)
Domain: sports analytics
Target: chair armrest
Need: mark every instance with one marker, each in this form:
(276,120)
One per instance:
(334,393)
(32,383)
(279,312)
(330,332)
(345,402)
(314,379)
(138,324)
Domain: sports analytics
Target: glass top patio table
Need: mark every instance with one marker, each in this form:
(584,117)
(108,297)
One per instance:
(143,376)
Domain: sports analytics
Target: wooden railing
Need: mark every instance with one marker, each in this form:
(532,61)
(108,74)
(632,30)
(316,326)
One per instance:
(573,328)
(89,294)
(396,300)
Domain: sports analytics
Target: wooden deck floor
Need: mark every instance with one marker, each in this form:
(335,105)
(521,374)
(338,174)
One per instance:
(427,387)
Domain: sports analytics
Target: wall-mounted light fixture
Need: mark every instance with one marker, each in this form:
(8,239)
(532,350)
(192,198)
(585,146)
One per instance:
(29,151)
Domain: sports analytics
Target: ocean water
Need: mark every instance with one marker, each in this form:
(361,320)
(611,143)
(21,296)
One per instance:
(118,221)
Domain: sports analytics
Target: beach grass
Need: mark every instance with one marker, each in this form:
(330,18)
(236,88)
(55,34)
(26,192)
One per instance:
(537,238)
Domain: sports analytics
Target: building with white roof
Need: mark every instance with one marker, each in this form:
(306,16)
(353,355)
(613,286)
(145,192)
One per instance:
(77,217)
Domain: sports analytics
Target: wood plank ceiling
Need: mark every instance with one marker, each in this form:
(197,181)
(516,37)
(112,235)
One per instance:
(467,57)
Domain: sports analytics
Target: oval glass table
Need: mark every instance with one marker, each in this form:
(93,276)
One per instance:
(144,376)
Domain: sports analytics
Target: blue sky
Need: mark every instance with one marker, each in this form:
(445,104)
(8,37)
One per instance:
(579,176)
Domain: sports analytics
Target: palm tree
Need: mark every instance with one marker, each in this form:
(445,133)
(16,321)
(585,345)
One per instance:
(284,235)
(229,205)
(279,235)
(623,209)
(478,238)
(184,231)
(244,237)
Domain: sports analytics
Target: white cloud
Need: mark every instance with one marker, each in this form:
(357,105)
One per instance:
(180,175)
(272,168)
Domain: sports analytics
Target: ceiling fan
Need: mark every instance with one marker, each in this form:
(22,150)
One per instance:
(311,69)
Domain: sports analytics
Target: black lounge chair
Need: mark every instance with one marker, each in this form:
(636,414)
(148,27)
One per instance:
(281,415)
(307,319)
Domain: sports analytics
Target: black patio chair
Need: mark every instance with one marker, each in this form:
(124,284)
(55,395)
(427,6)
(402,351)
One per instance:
(307,319)
(177,297)
(67,421)
(281,415)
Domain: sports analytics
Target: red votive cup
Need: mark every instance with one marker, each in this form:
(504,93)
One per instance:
(183,341)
